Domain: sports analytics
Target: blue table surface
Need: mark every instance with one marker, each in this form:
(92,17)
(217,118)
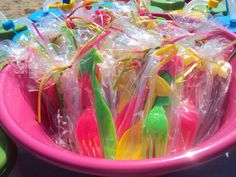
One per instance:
(29,166)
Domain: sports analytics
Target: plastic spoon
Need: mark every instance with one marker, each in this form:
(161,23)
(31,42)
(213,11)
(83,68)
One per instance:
(130,144)
(157,87)
(105,120)
(154,80)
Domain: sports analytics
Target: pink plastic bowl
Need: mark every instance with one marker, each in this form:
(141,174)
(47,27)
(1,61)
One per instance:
(18,118)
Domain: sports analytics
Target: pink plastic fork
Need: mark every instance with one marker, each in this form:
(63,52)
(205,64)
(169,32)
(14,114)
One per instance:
(87,134)
(189,121)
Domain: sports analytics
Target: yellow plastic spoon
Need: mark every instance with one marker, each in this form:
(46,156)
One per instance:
(130,145)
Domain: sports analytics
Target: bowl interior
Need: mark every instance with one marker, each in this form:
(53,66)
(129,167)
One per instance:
(17,116)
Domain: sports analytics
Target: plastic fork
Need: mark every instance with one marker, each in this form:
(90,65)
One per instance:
(87,134)
(155,125)
(188,117)
(189,123)
(155,132)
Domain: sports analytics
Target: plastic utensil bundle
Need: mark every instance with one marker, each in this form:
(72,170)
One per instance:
(113,84)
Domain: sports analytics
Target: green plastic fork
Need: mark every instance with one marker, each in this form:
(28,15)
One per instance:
(155,126)
(155,130)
